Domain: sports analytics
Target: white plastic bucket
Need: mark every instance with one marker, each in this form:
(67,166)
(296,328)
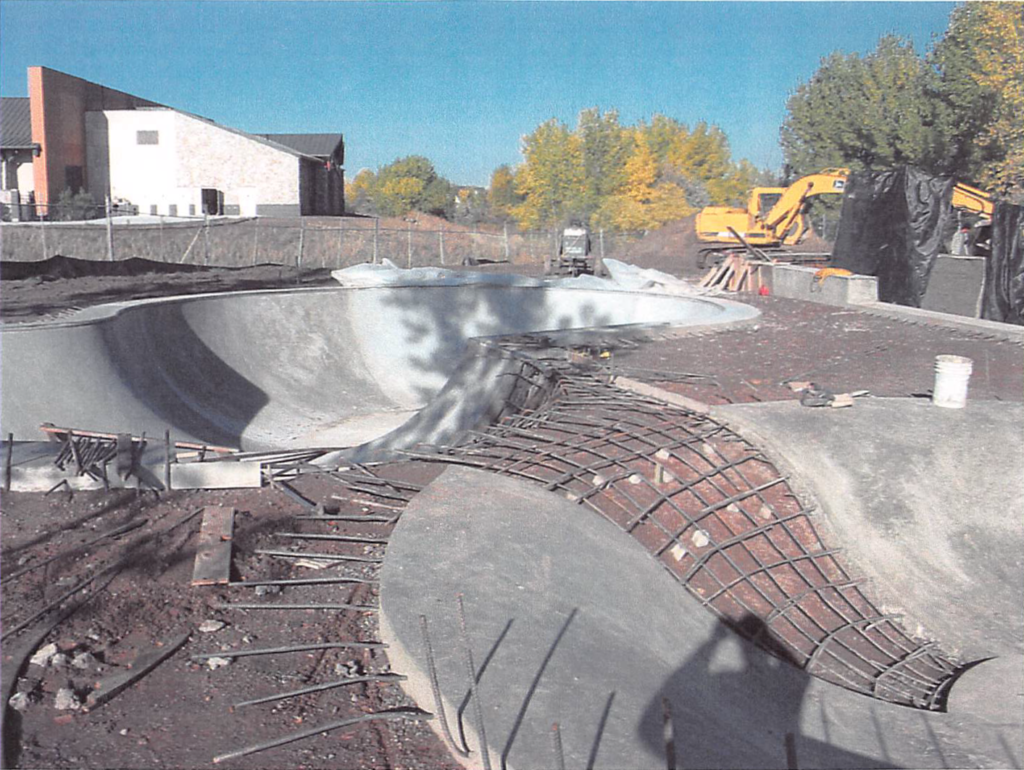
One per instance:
(951,376)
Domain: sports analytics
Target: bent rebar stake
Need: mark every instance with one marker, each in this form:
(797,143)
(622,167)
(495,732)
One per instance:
(556,739)
(478,709)
(436,689)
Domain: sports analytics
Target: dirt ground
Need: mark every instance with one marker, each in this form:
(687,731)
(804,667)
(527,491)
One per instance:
(183,713)
(30,291)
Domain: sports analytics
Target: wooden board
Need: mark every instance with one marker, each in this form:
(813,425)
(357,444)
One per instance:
(213,556)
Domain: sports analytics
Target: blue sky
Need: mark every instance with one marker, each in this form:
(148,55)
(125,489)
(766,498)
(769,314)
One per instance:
(458,82)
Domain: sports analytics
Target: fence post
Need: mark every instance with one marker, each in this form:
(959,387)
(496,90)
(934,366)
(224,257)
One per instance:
(302,241)
(110,232)
(410,243)
(440,241)
(206,238)
(376,237)
(505,230)
(256,240)
(163,248)
(42,228)
(601,239)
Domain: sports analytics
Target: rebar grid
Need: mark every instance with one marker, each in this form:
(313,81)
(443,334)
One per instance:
(714,511)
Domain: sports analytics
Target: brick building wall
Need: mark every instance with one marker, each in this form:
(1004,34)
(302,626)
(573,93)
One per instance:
(58,103)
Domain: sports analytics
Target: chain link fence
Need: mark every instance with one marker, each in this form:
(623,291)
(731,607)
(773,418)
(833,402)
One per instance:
(308,242)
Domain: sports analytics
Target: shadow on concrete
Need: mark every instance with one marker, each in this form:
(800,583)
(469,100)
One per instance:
(169,368)
(479,675)
(601,725)
(728,710)
(453,315)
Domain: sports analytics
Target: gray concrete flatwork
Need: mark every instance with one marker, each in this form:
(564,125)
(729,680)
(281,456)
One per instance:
(571,621)
(929,501)
(325,367)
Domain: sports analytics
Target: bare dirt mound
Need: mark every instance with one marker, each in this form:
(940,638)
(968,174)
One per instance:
(815,243)
(672,249)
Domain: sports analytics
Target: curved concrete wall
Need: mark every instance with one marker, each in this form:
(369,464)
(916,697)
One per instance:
(312,367)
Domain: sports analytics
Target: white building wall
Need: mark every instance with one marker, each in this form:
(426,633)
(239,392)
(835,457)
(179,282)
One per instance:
(26,177)
(248,172)
(190,154)
(116,162)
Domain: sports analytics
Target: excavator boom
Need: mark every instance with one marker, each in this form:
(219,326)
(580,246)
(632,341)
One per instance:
(784,222)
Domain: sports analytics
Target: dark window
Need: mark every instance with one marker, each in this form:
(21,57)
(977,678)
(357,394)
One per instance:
(191,209)
(74,178)
(152,209)
(147,137)
(213,201)
(768,201)
(173,209)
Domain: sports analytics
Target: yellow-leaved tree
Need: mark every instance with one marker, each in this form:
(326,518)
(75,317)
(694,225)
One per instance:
(643,203)
(551,178)
(981,62)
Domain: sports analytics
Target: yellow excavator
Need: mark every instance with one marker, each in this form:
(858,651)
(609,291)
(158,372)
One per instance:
(774,216)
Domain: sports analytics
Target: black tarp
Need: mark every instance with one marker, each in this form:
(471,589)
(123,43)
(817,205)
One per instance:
(1004,274)
(893,225)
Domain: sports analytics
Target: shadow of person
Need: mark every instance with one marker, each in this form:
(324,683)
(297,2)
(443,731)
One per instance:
(730,704)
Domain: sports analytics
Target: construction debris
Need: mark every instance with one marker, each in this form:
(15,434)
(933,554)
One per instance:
(142,665)
(213,554)
(735,273)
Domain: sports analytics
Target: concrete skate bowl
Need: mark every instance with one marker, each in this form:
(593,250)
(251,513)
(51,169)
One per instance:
(335,367)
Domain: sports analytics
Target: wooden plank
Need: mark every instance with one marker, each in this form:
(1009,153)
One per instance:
(213,556)
(107,688)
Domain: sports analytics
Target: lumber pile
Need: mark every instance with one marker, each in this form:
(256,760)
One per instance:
(734,273)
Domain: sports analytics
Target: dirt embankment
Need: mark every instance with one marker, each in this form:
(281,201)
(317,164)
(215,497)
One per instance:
(672,248)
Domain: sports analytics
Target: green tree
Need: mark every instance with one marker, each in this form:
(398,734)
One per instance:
(606,148)
(75,206)
(406,184)
(870,112)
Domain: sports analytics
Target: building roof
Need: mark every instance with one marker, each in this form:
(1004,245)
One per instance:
(15,123)
(318,145)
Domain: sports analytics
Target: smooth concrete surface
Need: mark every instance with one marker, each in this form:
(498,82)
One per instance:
(929,503)
(288,368)
(994,329)
(571,621)
(928,500)
(955,286)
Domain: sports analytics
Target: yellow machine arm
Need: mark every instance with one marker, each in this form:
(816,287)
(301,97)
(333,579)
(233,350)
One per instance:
(789,207)
(972,199)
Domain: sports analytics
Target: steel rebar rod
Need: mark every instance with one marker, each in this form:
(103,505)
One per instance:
(342,538)
(290,648)
(268,606)
(321,556)
(317,730)
(556,740)
(321,687)
(299,581)
(435,688)
(478,709)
